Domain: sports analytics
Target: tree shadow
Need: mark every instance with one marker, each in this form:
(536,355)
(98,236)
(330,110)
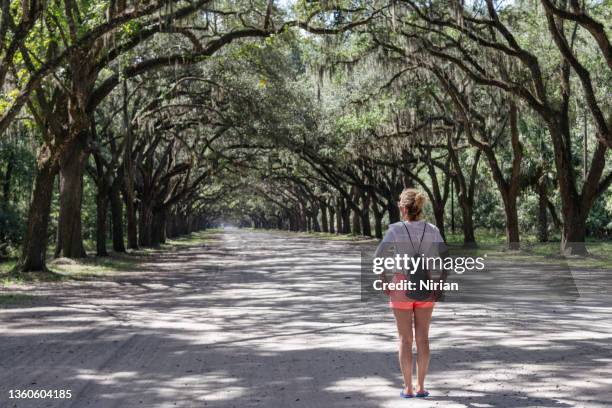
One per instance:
(270,322)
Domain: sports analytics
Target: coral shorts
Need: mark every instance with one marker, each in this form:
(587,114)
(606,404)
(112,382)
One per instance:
(398,299)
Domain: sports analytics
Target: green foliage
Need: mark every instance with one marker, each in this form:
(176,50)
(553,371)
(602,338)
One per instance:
(16,176)
(277,126)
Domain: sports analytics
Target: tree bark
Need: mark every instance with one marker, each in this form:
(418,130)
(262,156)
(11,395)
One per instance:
(467,227)
(316,226)
(145,222)
(324,220)
(508,189)
(171,225)
(102,197)
(188,225)
(393,210)
(575,207)
(438,210)
(437,192)
(553,215)
(542,212)
(364,214)
(512,226)
(101,216)
(72,167)
(339,215)
(356,222)
(117,217)
(158,232)
(378,216)
(346,217)
(465,195)
(128,170)
(130,215)
(34,250)
(574,233)
(291,222)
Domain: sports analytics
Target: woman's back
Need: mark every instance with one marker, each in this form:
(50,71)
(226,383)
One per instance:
(411,238)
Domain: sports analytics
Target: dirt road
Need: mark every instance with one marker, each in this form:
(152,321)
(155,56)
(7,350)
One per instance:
(262,319)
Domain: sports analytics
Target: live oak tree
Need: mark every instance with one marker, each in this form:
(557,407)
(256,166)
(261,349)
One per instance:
(165,117)
(62,105)
(473,39)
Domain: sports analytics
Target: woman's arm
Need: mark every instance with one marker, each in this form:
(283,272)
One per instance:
(386,247)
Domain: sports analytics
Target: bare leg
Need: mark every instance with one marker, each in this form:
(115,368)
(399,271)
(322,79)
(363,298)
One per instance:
(422,318)
(403,319)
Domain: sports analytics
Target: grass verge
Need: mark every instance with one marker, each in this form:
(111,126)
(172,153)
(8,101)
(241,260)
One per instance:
(92,267)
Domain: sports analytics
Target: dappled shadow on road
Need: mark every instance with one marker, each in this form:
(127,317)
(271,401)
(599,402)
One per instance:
(265,320)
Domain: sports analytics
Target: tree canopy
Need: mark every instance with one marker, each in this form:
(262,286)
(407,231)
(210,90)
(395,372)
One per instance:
(126,122)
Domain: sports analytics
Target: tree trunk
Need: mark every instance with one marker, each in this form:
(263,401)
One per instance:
(393,210)
(508,189)
(302,219)
(378,216)
(34,250)
(378,225)
(542,213)
(145,222)
(291,222)
(465,192)
(574,230)
(315,220)
(171,226)
(128,171)
(512,226)
(346,217)
(181,227)
(72,167)
(575,206)
(332,215)
(130,214)
(353,205)
(467,214)
(339,216)
(101,216)
(158,232)
(324,220)
(438,211)
(189,225)
(553,215)
(163,223)
(117,217)
(356,221)
(364,214)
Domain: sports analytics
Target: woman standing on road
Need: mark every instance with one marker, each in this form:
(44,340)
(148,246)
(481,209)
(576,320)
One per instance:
(413,237)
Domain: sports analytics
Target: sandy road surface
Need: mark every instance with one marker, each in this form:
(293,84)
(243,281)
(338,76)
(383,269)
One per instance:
(274,320)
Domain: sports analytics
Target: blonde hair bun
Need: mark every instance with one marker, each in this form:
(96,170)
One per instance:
(420,199)
(414,201)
